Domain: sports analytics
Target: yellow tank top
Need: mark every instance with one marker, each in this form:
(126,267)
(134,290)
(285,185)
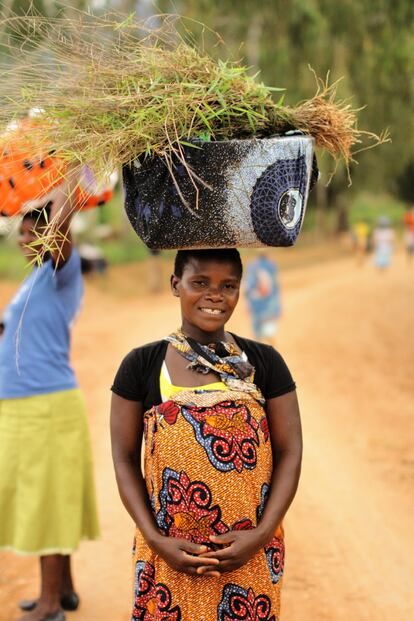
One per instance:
(168,390)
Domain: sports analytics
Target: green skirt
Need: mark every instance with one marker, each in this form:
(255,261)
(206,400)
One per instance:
(47,491)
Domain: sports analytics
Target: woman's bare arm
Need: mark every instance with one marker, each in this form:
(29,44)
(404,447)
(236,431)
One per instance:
(64,206)
(286,438)
(126,437)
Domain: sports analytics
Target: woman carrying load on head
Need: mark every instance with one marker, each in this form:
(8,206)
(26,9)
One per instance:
(223,448)
(47,496)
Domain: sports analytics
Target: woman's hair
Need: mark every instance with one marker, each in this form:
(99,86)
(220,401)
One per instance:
(40,216)
(223,255)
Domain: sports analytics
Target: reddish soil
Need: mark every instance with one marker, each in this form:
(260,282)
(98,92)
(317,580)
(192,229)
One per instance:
(347,334)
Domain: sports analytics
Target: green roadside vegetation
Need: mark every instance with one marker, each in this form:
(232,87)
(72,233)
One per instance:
(369,208)
(12,263)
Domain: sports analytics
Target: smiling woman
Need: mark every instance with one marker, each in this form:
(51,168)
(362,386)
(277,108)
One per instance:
(208,285)
(223,446)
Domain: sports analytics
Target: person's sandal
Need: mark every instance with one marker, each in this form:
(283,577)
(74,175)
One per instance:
(68,602)
(27,604)
(59,615)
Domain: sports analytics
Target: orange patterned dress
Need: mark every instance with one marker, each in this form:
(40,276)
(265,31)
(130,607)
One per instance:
(208,466)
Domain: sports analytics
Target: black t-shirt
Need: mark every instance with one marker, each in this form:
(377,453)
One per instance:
(138,376)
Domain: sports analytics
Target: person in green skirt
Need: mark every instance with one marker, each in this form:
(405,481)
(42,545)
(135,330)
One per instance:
(47,493)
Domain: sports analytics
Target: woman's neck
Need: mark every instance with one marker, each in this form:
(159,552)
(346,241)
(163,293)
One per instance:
(205,338)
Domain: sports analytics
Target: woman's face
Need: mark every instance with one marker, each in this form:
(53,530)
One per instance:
(208,291)
(27,235)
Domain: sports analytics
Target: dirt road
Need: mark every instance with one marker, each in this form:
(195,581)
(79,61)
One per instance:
(347,334)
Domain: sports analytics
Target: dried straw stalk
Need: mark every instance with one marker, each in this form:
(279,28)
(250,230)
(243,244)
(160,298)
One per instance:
(113,90)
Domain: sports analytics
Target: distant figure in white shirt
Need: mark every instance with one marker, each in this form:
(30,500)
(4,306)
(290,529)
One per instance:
(384,238)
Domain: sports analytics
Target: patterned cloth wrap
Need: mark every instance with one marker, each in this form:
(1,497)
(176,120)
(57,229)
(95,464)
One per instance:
(208,466)
(234,371)
(242,193)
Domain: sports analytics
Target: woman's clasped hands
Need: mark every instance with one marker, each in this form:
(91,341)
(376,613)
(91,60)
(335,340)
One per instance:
(233,550)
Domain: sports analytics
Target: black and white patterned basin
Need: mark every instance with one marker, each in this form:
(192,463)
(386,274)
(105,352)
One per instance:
(254,194)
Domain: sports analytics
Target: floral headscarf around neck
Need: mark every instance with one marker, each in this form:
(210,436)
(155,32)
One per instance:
(222,358)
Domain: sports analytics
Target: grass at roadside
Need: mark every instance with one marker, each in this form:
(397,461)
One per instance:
(369,207)
(12,263)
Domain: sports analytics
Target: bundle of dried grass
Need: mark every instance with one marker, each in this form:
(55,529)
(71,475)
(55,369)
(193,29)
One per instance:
(333,124)
(112,90)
